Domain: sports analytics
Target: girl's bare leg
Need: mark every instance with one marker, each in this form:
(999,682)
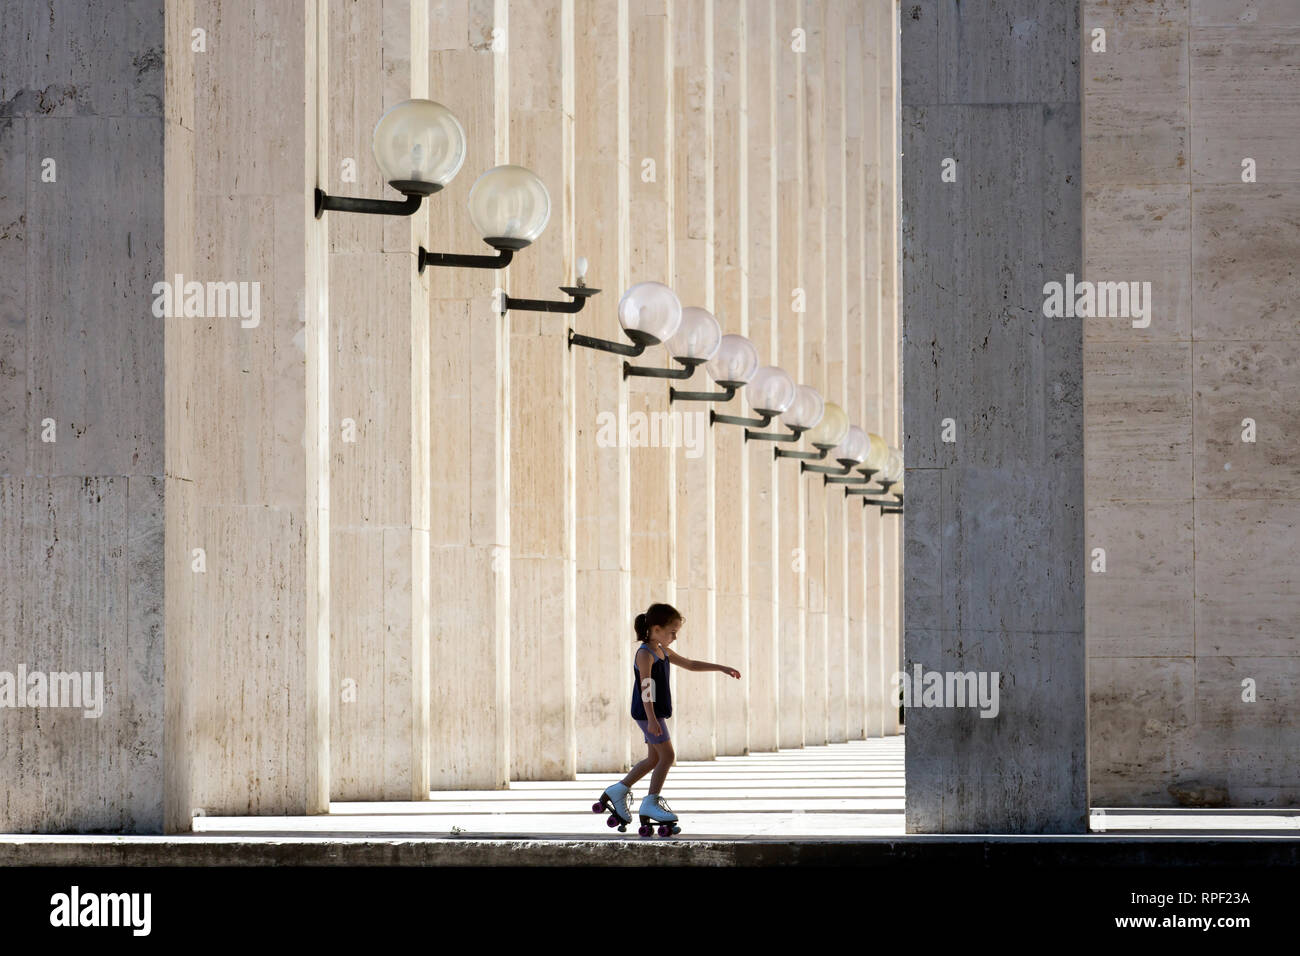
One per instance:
(666,756)
(642,768)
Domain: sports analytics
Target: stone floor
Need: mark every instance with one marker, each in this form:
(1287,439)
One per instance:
(837,803)
(851,789)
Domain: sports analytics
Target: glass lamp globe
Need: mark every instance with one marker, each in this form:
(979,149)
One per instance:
(697,338)
(735,362)
(831,430)
(650,313)
(852,449)
(509,206)
(806,410)
(877,453)
(771,391)
(894,468)
(419,146)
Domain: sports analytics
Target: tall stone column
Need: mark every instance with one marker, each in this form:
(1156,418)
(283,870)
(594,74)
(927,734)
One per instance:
(813,358)
(874,555)
(602,183)
(995,519)
(856,318)
(837,305)
(469,354)
(764,592)
(83,153)
(891,413)
(731,277)
(651,141)
(379,423)
(790,306)
(693,281)
(543,693)
(247,426)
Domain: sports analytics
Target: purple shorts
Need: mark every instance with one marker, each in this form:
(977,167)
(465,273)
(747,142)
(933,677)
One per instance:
(651,738)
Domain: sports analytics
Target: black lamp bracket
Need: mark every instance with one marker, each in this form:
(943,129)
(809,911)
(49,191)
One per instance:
(413,191)
(764,419)
(686,371)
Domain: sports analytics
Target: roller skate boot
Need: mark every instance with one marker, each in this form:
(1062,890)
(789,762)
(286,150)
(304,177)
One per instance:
(617,800)
(654,809)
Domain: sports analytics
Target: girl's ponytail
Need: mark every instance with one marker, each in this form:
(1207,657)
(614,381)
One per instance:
(640,627)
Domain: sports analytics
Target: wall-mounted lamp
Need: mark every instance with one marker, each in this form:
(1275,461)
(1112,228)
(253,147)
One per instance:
(509,206)
(849,452)
(828,433)
(732,366)
(803,414)
(649,313)
(890,476)
(875,461)
(695,342)
(578,295)
(770,392)
(419,146)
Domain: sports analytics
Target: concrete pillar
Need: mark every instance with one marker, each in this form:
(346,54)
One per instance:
(605,638)
(247,617)
(995,519)
(764,593)
(792,297)
(890,411)
(469,354)
(731,279)
(837,304)
(693,281)
(651,145)
(81,413)
(813,356)
(856,318)
(875,66)
(543,693)
(379,437)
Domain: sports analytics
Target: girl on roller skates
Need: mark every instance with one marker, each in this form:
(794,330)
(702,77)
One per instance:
(652,705)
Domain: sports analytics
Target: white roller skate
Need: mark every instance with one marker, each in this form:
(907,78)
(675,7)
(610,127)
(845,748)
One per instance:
(617,799)
(654,809)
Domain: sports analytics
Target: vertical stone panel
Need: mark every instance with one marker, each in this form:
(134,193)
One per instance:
(731,277)
(837,305)
(652,140)
(469,386)
(247,656)
(693,170)
(379,482)
(794,296)
(998,515)
(816,728)
(542,592)
(763,236)
(601,188)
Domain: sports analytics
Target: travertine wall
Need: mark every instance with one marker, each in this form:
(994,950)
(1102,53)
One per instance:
(399,553)
(1193,661)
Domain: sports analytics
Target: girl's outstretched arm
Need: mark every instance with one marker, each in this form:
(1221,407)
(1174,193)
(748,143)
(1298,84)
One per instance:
(691,665)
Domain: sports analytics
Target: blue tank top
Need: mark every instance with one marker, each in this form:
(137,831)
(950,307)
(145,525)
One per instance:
(663,697)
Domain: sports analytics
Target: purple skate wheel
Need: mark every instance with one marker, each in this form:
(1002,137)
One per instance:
(597,807)
(645,831)
(664,831)
(612,822)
